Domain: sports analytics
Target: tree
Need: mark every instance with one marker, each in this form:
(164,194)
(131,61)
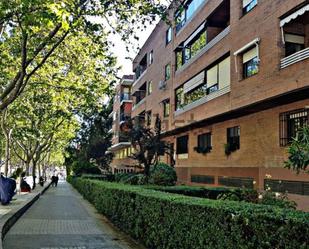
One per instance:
(32,31)
(299,151)
(148,144)
(91,143)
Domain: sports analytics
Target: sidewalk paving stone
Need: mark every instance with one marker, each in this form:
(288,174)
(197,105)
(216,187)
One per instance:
(62,219)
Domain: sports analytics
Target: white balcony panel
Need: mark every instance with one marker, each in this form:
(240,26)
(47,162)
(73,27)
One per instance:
(203,100)
(294,58)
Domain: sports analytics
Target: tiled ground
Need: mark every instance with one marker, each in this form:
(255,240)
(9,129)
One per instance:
(61,219)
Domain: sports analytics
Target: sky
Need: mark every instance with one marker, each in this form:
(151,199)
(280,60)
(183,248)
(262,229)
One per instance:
(120,49)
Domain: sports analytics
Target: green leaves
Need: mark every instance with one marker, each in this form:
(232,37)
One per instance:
(299,151)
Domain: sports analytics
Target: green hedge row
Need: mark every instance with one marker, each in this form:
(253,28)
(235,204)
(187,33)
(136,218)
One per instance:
(209,192)
(169,221)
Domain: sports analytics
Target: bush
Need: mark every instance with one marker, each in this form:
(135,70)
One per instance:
(162,174)
(152,217)
(211,192)
(80,167)
(276,199)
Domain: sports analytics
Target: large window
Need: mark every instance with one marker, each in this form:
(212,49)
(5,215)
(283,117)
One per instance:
(185,12)
(168,71)
(290,123)
(293,43)
(212,79)
(203,143)
(248,5)
(169,35)
(182,145)
(166,108)
(250,62)
(191,46)
(233,138)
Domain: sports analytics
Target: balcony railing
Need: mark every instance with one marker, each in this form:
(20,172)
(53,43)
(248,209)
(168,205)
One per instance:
(203,100)
(294,58)
(207,47)
(125,96)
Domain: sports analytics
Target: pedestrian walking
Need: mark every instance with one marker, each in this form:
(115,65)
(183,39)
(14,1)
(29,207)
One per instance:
(56,180)
(53,181)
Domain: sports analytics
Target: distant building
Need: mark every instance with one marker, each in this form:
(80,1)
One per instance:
(121,146)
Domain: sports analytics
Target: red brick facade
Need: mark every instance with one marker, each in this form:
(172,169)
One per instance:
(254,103)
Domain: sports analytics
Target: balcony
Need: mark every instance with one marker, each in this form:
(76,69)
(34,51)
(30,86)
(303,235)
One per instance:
(124,117)
(203,100)
(207,35)
(294,58)
(295,33)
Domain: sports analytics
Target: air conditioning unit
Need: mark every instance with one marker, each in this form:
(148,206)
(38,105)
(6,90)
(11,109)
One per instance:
(162,85)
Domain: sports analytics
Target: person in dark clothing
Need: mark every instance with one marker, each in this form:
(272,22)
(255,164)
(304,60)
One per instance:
(41,181)
(7,190)
(53,181)
(24,186)
(56,180)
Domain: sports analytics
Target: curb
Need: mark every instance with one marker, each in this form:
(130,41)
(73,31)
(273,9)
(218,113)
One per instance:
(10,218)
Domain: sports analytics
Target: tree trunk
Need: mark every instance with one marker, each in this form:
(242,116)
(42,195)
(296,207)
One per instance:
(33,173)
(7,135)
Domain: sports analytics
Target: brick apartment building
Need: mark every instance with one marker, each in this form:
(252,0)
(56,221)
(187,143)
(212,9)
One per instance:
(122,107)
(230,81)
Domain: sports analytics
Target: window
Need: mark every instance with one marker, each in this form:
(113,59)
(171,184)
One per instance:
(206,82)
(290,123)
(148,118)
(203,179)
(186,12)
(191,46)
(248,5)
(168,71)
(182,145)
(233,138)
(293,43)
(169,35)
(238,182)
(149,89)
(204,143)
(151,57)
(250,62)
(292,187)
(166,108)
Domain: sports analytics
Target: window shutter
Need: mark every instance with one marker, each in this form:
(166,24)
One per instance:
(250,54)
(212,76)
(224,73)
(194,82)
(298,39)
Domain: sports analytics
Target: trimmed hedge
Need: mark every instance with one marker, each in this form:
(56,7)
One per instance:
(169,221)
(213,193)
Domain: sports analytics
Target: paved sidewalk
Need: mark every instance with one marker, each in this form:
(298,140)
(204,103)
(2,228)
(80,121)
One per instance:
(62,219)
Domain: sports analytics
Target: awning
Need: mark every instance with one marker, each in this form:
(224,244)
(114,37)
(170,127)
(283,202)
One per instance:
(194,34)
(250,44)
(293,16)
(194,82)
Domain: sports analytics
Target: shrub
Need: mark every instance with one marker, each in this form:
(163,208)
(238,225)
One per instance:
(276,199)
(162,174)
(211,192)
(80,167)
(152,216)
